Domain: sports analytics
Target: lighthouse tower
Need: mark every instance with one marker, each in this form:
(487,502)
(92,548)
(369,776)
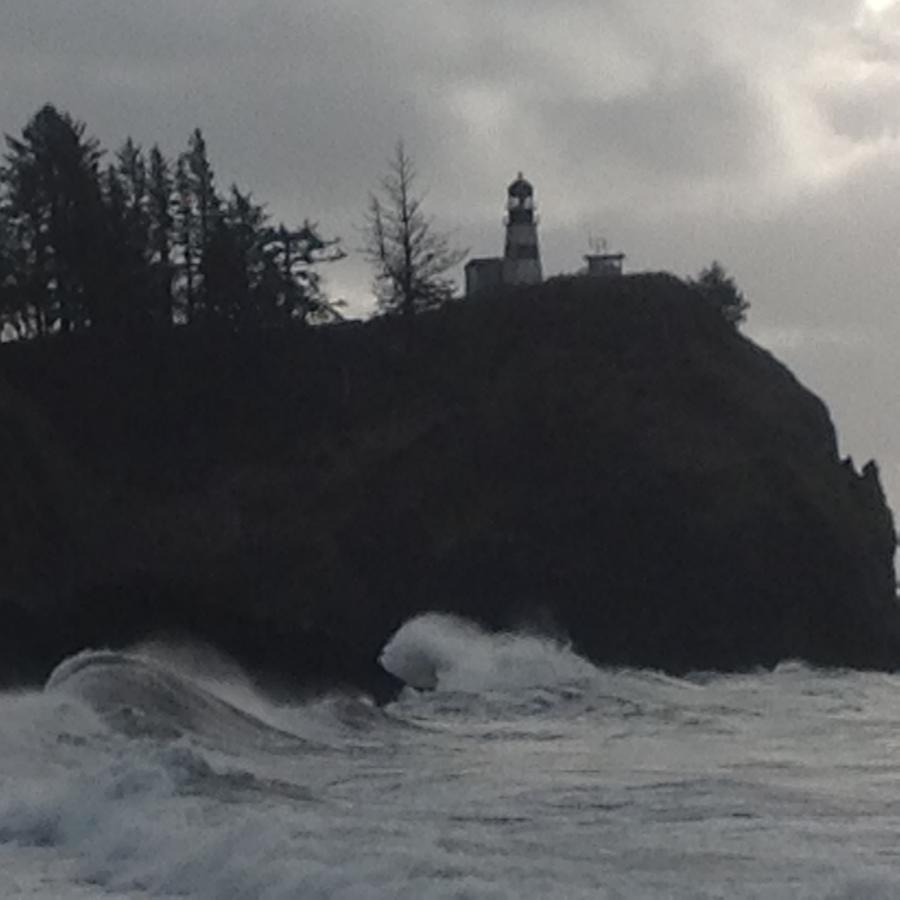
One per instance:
(521,259)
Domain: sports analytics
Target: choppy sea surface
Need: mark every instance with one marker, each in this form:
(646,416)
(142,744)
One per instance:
(524,772)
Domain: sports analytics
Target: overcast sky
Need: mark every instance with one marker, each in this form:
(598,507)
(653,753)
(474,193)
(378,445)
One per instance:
(763,133)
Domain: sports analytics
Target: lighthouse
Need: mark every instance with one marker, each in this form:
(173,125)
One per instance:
(520,265)
(521,258)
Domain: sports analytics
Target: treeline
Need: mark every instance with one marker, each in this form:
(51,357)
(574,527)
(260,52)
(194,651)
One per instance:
(135,241)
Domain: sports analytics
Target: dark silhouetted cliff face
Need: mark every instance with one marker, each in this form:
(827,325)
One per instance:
(607,459)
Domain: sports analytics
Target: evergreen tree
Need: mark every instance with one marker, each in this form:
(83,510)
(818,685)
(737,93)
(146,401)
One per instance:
(186,240)
(206,206)
(83,249)
(296,254)
(411,258)
(132,169)
(12,321)
(718,288)
(161,223)
(117,271)
(233,262)
(197,211)
(51,197)
(130,238)
(203,185)
(17,319)
(260,277)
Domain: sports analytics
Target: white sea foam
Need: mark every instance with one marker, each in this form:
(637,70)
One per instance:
(526,772)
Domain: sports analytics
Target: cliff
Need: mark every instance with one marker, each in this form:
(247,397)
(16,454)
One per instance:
(607,460)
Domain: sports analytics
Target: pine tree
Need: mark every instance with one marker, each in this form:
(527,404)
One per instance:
(133,239)
(206,207)
(251,235)
(132,170)
(161,223)
(84,249)
(720,289)
(297,253)
(51,197)
(186,240)
(234,258)
(12,319)
(115,275)
(197,213)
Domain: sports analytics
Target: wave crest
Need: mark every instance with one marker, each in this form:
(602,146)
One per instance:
(143,697)
(444,652)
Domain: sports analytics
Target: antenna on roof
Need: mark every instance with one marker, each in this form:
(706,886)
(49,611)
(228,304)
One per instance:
(598,245)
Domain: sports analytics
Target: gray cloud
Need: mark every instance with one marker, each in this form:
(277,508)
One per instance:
(764,134)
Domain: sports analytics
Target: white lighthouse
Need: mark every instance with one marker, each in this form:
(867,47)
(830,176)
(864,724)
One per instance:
(521,258)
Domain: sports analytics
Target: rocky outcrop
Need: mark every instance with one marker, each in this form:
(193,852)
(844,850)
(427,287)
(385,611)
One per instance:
(610,460)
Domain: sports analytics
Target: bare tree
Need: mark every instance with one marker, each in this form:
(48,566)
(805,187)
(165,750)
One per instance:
(411,258)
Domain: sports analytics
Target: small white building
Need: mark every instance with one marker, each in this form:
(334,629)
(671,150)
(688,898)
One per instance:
(604,265)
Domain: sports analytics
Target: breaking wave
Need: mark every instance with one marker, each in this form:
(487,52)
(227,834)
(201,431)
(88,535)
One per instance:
(157,773)
(461,666)
(139,696)
(443,652)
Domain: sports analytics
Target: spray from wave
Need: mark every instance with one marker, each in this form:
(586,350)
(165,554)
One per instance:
(442,652)
(473,671)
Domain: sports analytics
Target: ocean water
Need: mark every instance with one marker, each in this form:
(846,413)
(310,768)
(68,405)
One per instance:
(523,772)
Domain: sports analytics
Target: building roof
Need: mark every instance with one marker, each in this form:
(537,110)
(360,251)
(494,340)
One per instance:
(484,261)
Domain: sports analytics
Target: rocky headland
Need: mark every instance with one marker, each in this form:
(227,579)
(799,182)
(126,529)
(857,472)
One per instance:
(609,461)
